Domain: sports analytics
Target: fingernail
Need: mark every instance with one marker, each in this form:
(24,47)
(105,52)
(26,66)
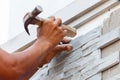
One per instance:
(69,48)
(69,38)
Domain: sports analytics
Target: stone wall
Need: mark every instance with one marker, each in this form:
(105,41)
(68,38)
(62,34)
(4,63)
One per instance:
(95,56)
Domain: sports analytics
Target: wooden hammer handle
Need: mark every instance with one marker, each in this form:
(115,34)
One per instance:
(71,32)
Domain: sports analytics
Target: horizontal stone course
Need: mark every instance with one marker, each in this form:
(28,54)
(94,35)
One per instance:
(84,60)
(82,40)
(101,65)
(116,77)
(104,41)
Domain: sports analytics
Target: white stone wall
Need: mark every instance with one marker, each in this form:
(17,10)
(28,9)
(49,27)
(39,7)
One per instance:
(96,52)
(95,56)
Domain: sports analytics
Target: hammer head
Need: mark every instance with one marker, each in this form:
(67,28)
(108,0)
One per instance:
(30,18)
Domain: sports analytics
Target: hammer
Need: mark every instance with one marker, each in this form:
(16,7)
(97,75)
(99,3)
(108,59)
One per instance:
(32,18)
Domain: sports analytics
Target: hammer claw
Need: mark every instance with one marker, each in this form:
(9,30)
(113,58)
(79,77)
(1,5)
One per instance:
(29,18)
(26,29)
(30,21)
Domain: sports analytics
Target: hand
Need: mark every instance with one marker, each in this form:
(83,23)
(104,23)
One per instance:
(51,31)
(59,48)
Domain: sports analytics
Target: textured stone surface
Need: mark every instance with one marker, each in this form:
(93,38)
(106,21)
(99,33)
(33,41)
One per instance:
(104,41)
(116,77)
(95,56)
(85,61)
(112,22)
(100,65)
(96,77)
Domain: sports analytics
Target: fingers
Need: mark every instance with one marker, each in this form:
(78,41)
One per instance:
(52,18)
(58,21)
(64,47)
(63,31)
(63,44)
(66,40)
(57,49)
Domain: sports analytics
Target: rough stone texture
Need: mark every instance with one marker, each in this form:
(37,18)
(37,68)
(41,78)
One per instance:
(112,22)
(95,56)
(81,65)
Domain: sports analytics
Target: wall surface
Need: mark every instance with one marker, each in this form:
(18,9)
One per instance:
(4,20)
(95,54)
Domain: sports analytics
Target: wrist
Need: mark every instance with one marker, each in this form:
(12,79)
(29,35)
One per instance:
(43,47)
(42,42)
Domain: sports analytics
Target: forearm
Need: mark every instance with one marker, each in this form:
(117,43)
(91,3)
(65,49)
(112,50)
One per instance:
(19,65)
(28,59)
(29,73)
(41,62)
(33,69)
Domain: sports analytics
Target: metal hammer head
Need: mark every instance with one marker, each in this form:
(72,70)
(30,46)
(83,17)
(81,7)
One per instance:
(30,18)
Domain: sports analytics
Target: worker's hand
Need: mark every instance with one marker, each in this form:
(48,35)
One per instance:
(59,48)
(51,31)
(56,50)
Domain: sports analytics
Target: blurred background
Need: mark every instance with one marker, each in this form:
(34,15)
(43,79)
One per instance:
(12,12)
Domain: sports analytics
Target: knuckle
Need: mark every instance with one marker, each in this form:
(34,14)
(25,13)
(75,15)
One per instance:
(60,29)
(59,19)
(48,21)
(55,26)
(62,33)
(51,17)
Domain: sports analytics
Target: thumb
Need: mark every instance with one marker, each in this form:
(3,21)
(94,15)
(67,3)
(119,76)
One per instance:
(63,47)
(58,48)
